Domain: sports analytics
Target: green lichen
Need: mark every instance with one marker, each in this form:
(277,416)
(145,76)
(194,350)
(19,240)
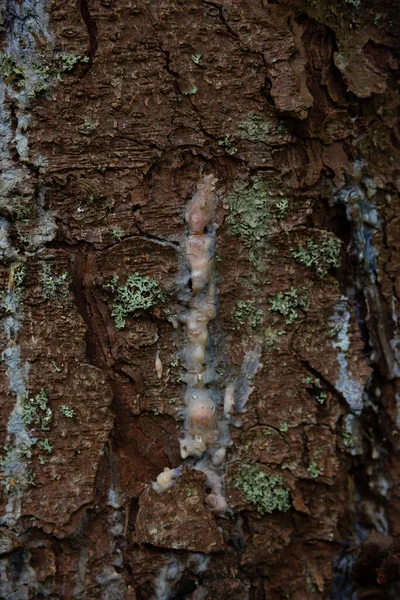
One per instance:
(282,207)
(6,457)
(117,233)
(45,445)
(25,211)
(6,483)
(315,388)
(227,144)
(313,471)
(348,439)
(255,129)
(41,82)
(250,216)
(138,294)
(36,411)
(247,314)
(67,411)
(271,339)
(265,492)
(254,210)
(320,255)
(19,276)
(67,62)
(31,478)
(10,71)
(53,285)
(377,18)
(191,92)
(288,304)
(87,127)
(196,58)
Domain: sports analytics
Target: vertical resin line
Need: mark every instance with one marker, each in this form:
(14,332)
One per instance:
(206,436)
(199,250)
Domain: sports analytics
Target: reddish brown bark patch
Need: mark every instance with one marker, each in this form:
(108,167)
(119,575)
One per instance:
(178,518)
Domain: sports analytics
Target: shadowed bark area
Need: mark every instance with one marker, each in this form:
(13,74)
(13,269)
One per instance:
(199,385)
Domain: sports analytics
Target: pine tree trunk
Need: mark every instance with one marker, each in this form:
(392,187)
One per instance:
(199,300)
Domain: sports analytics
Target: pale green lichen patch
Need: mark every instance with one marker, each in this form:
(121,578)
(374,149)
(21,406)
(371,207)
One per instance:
(282,208)
(196,58)
(247,314)
(193,90)
(53,285)
(258,128)
(10,71)
(321,255)
(249,218)
(227,144)
(265,492)
(254,128)
(117,233)
(313,471)
(315,388)
(271,339)
(254,210)
(35,76)
(249,206)
(19,273)
(288,304)
(67,411)
(45,445)
(138,294)
(36,411)
(67,63)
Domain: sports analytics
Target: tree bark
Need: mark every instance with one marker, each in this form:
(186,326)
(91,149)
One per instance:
(199,300)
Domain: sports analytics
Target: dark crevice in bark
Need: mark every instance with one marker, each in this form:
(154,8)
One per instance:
(94,352)
(91,26)
(154,238)
(220,10)
(369,503)
(169,70)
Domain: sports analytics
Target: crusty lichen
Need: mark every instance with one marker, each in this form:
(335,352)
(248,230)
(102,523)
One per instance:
(254,129)
(254,209)
(249,206)
(265,492)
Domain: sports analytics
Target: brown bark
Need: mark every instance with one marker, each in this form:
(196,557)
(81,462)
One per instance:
(114,113)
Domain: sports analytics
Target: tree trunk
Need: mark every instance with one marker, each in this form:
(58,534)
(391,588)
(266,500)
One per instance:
(199,300)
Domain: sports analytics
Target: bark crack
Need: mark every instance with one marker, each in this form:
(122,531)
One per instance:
(91,26)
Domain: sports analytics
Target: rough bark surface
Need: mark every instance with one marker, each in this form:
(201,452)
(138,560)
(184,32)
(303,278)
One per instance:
(113,113)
